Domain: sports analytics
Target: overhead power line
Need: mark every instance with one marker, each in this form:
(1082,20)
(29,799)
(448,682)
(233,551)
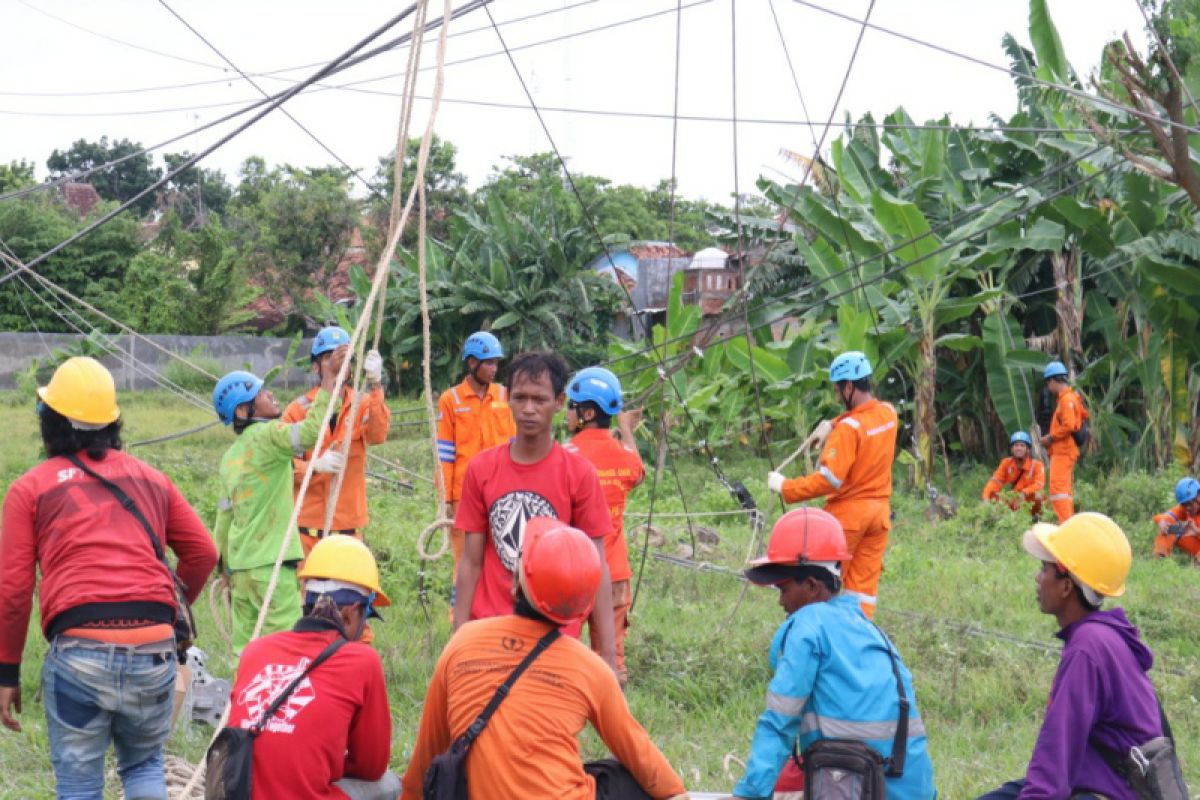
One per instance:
(171,87)
(255,104)
(329,150)
(191,161)
(1079,93)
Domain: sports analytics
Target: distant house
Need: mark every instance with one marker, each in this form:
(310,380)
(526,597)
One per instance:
(709,280)
(80,197)
(646,270)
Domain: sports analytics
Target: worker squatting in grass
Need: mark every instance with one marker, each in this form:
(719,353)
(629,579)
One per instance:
(825,646)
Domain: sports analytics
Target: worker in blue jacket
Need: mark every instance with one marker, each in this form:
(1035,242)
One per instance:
(834,670)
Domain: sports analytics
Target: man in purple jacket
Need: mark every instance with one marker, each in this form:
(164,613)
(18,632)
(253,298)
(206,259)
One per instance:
(1101,694)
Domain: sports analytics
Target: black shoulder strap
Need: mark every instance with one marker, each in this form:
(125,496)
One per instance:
(127,503)
(468,738)
(895,763)
(278,702)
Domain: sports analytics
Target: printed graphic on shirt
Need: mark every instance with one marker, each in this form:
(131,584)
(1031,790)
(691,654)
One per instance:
(266,686)
(507,518)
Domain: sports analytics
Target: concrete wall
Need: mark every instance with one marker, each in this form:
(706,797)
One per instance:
(19,350)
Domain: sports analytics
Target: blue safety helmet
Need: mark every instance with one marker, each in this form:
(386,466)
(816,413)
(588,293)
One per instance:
(1022,437)
(849,366)
(596,385)
(482,345)
(1187,490)
(1055,369)
(231,391)
(330,338)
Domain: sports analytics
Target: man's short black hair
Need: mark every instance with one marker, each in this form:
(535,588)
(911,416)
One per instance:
(533,365)
(61,438)
(600,419)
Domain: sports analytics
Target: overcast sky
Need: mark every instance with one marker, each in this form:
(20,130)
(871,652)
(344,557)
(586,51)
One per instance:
(45,64)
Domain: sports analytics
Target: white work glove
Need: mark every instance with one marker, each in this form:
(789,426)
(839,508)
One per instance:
(823,429)
(775,482)
(373,367)
(329,462)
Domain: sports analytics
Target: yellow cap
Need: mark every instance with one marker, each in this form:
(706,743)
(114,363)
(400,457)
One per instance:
(1091,546)
(82,390)
(344,558)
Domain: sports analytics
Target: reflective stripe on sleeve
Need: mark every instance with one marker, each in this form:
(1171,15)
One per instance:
(852,422)
(1054,497)
(845,729)
(294,433)
(224,504)
(785,705)
(304,402)
(828,475)
(887,426)
(446,451)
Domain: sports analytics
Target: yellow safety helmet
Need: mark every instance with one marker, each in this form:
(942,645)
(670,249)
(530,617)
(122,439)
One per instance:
(344,558)
(82,390)
(1091,546)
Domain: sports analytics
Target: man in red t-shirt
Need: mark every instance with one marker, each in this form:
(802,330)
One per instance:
(332,736)
(593,399)
(531,476)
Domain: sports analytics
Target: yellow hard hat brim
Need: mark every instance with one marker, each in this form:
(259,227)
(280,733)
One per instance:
(1034,542)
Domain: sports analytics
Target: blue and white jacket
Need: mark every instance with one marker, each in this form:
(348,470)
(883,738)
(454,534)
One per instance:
(833,679)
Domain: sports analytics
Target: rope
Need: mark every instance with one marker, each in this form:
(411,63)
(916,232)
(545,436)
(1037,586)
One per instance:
(396,466)
(220,605)
(396,218)
(177,435)
(181,777)
(441,524)
(381,274)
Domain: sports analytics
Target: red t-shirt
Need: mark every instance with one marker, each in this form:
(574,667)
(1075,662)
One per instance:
(619,471)
(90,551)
(499,496)
(335,725)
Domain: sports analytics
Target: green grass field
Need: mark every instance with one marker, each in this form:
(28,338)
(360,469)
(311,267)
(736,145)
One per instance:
(957,598)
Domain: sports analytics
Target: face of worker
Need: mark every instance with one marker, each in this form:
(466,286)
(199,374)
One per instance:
(1192,507)
(1054,386)
(1053,589)
(533,404)
(795,595)
(577,416)
(1019,450)
(483,371)
(330,362)
(264,406)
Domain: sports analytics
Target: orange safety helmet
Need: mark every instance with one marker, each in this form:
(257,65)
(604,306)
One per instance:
(801,536)
(559,570)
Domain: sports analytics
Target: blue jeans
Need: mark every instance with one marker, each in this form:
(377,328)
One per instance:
(96,693)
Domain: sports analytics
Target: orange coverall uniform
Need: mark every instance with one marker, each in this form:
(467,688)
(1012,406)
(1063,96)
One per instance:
(1027,478)
(620,469)
(530,748)
(856,474)
(1164,542)
(350,515)
(468,425)
(1069,416)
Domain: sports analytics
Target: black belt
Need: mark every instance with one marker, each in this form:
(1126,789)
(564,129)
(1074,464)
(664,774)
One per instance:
(316,532)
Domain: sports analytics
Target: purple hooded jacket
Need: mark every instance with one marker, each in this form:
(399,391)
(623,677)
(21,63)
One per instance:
(1100,693)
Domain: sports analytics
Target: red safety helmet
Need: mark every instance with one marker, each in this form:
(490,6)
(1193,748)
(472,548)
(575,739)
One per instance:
(800,536)
(559,570)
